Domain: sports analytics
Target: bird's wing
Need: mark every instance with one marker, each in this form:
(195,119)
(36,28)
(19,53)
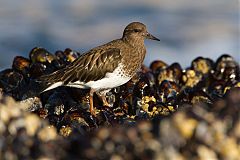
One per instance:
(91,66)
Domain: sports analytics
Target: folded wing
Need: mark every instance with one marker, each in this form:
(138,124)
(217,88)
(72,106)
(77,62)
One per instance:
(91,66)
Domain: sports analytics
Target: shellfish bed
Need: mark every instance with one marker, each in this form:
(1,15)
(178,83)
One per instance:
(163,112)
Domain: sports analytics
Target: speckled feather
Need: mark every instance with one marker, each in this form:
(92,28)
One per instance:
(91,66)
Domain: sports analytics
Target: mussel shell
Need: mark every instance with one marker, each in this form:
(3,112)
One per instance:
(150,78)
(225,61)
(41,55)
(191,78)
(61,58)
(42,112)
(153,92)
(144,85)
(53,120)
(141,88)
(77,121)
(37,69)
(202,65)
(177,70)
(10,80)
(21,64)
(168,91)
(71,55)
(216,89)
(157,65)
(172,73)
(227,68)
(200,97)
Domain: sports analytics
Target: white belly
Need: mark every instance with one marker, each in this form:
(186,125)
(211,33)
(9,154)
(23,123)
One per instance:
(111,80)
(108,82)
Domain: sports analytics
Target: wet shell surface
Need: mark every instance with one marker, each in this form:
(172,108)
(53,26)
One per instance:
(163,112)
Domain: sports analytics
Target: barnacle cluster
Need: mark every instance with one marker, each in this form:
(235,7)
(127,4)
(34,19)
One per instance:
(163,112)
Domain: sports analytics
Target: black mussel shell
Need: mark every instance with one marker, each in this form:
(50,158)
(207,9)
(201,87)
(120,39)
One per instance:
(71,55)
(227,68)
(10,80)
(41,55)
(168,91)
(61,58)
(21,64)
(202,65)
(157,65)
(37,70)
(172,73)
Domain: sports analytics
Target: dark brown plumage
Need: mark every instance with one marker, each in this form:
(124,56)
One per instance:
(106,66)
(89,67)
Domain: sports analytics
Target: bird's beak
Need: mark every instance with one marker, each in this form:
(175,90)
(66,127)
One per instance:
(149,36)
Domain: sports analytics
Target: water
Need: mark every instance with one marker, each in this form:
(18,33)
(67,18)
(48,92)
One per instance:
(187,28)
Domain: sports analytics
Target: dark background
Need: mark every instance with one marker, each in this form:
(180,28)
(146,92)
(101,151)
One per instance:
(187,28)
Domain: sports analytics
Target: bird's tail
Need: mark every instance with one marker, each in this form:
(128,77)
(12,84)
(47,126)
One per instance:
(43,83)
(52,80)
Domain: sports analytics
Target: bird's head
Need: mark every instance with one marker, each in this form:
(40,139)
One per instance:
(137,31)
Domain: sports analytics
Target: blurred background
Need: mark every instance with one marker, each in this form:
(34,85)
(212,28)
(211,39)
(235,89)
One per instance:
(187,28)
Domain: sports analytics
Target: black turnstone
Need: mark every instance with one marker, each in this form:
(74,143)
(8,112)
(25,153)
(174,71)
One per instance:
(104,67)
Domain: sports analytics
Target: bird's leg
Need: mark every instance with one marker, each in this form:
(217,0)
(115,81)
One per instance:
(91,109)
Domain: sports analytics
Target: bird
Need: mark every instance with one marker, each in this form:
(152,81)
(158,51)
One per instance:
(104,67)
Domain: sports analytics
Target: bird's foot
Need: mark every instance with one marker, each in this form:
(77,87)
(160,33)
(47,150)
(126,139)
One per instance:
(105,102)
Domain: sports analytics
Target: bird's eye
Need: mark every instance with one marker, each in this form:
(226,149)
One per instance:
(137,30)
